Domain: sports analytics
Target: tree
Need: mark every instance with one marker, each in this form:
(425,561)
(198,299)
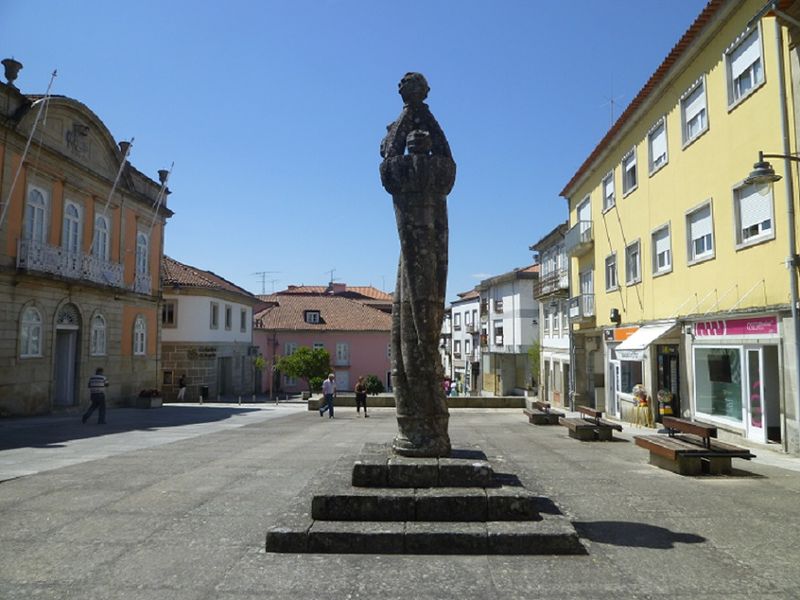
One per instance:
(306,364)
(534,353)
(373,384)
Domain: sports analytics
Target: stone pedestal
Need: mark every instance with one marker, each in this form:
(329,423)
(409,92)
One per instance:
(385,504)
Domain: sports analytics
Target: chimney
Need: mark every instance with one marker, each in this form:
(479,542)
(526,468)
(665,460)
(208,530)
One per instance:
(337,288)
(12,70)
(123,147)
(162,175)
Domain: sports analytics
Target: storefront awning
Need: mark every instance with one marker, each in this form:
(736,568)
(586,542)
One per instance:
(633,348)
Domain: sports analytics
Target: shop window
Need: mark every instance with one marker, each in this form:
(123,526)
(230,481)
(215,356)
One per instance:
(718,382)
(630,373)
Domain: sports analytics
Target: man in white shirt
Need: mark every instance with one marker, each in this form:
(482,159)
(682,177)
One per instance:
(328,392)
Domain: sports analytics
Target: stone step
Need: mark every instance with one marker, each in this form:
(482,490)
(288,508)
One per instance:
(501,503)
(377,466)
(552,534)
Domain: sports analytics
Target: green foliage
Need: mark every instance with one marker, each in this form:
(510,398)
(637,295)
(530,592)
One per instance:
(306,364)
(259,362)
(534,353)
(374,385)
(316,383)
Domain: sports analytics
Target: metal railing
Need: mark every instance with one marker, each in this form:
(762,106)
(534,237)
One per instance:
(55,260)
(579,239)
(558,281)
(581,307)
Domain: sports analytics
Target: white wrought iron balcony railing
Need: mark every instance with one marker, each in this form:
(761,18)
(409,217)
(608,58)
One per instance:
(55,260)
(579,239)
(141,283)
(557,281)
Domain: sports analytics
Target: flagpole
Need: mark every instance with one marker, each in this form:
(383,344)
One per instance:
(42,102)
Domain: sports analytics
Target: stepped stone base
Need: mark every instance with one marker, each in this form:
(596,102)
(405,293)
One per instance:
(399,505)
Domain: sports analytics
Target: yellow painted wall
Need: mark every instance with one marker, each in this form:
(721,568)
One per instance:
(707,168)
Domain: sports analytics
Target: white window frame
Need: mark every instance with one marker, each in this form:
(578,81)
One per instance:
(318,346)
(611,286)
(139,336)
(71,227)
(214,316)
(37,210)
(142,253)
(498,324)
(467,348)
(546,323)
(765,207)
(97,336)
(342,353)
(289,348)
(102,236)
(629,160)
(709,252)
(30,333)
(457,348)
(633,277)
(312,317)
(609,199)
(702,113)
(457,321)
(655,236)
(654,168)
(169,324)
(754,72)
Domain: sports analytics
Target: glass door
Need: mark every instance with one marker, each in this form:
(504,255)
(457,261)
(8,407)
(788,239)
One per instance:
(754,416)
(612,407)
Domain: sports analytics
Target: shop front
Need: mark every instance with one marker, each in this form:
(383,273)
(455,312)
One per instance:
(640,362)
(736,376)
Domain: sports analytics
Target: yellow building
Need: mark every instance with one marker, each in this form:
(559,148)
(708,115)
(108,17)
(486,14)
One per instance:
(79,265)
(678,267)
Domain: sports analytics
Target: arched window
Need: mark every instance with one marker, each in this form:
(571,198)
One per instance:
(35,217)
(30,335)
(139,336)
(141,254)
(71,236)
(100,246)
(98,336)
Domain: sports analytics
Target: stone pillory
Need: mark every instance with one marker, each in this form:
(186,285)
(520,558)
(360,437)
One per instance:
(418,171)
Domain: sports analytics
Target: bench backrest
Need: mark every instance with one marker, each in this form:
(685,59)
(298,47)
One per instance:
(704,431)
(545,406)
(590,412)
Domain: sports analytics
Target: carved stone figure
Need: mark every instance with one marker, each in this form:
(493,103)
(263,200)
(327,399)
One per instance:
(419,182)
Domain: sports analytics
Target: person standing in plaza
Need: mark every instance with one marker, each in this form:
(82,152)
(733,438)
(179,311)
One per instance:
(361,396)
(97,394)
(182,387)
(328,392)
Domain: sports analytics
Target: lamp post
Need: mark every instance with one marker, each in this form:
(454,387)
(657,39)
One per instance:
(763,176)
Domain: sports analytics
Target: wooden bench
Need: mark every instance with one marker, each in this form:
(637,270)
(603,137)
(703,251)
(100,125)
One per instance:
(689,448)
(590,426)
(541,414)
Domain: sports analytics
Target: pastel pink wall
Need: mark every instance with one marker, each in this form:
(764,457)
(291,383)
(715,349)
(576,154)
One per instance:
(368,353)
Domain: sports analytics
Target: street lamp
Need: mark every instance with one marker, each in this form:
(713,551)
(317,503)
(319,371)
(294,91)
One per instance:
(763,176)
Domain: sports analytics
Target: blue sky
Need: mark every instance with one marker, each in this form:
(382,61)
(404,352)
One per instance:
(273,113)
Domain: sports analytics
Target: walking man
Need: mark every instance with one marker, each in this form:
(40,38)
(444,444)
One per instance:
(181,387)
(328,392)
(97,393)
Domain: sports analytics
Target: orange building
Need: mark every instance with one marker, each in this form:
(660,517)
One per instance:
(79,266)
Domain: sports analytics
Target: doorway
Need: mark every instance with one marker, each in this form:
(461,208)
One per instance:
(762,408)
(66,367)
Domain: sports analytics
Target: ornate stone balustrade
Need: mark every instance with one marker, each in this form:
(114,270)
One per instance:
(44,258)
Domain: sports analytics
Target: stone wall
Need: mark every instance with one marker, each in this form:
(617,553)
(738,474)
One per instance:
(202,364)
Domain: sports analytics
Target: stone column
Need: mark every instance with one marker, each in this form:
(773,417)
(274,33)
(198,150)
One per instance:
(419,183)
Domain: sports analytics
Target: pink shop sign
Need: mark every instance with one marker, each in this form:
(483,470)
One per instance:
(737,327)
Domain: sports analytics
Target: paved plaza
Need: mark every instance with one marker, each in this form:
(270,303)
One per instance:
(175,502)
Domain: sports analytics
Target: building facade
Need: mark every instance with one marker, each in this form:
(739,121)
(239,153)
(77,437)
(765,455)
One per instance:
(356,336)
(552,293)
(678,268)
(207,334)
(79,265)
(509,326)
(465,325)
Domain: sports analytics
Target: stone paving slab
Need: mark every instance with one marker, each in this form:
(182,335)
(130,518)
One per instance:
(650,534)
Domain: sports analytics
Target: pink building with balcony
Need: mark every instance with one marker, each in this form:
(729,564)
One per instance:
(356,335)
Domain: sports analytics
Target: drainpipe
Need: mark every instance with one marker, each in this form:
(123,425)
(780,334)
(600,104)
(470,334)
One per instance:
(790,213)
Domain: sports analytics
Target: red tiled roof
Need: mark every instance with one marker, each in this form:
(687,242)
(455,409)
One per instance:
(367,291)
(174,273)
(473,293)
(336,314)
(677,51)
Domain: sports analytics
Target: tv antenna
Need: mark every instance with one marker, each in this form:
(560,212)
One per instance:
(263,275)
(612,101)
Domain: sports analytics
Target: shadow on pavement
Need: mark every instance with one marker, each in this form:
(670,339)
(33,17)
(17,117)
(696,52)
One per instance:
(51,432)
(641,535)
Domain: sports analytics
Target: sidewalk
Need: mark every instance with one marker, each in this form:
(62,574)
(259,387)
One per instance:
(180,510)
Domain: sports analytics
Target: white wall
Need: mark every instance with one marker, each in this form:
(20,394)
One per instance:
(193,316)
